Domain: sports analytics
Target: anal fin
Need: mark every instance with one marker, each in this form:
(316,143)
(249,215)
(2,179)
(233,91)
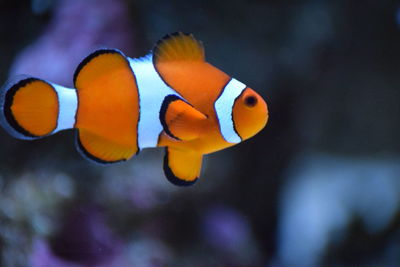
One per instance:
(101,150)
(182,167)
(180,120)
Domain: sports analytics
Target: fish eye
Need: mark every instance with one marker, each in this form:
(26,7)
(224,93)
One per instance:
(250,101)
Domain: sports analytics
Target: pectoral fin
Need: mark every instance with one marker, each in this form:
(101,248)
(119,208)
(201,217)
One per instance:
(180,120)
(182,167)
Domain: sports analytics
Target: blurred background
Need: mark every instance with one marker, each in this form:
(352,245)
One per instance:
(320,185)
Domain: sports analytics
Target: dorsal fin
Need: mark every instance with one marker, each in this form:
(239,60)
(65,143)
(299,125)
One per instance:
(178,47)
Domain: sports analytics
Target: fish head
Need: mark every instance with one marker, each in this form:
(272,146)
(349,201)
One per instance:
(250,113)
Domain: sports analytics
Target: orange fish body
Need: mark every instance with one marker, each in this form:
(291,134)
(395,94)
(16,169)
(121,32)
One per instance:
(171,98)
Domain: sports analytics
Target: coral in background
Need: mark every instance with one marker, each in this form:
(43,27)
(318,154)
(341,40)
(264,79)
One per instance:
(84,237)
(230,234)
(324,196)
(43,256)
(30,205)
(75,30)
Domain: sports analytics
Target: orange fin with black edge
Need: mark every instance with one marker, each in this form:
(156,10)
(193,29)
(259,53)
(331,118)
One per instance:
(29,107)
(182,167)
(181,120)
(101,150)
(178,47)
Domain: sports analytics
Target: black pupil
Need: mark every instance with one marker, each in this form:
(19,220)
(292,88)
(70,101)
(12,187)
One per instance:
(250,101)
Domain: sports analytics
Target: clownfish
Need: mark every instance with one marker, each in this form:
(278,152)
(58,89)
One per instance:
(170,98)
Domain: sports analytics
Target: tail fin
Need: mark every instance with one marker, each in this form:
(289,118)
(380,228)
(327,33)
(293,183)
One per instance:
(32,108)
